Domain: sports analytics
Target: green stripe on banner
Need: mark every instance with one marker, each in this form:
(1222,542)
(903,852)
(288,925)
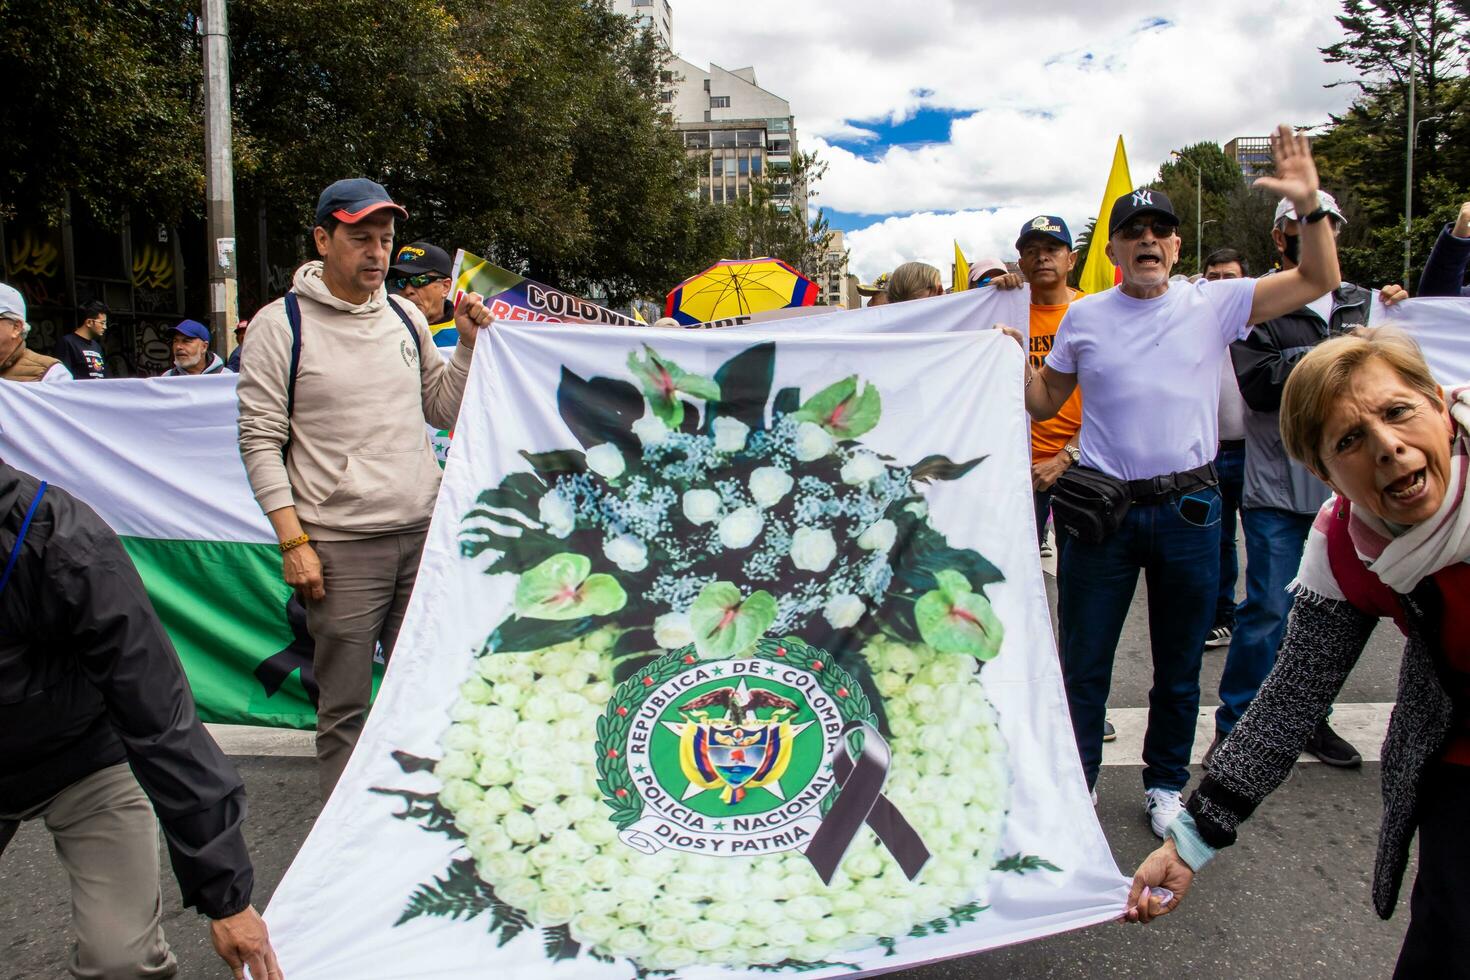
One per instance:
(224,606)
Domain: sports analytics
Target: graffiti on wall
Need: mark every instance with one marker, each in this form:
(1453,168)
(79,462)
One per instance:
(33,265)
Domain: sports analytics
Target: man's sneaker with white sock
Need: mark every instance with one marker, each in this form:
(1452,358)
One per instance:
(1161,806)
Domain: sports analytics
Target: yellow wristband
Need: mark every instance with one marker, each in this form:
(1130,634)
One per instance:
(295,542)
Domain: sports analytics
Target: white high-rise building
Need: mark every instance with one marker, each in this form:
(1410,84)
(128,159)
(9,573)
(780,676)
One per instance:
(656,15)
(738,128)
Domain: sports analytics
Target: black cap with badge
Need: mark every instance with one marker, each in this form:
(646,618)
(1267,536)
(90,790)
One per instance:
(1142,201)
(417,258)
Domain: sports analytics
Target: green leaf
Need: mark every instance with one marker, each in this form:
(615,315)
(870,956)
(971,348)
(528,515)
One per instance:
(662,380)
(559,944)
(724,625)
(562,588)
(1022,863)
(842,410)
(939,467)
(745,384)
(518,634)
(954,619)
(557,462)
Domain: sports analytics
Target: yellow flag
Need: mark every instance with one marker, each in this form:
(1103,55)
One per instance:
(639,316)
(1099,274)
(961,269)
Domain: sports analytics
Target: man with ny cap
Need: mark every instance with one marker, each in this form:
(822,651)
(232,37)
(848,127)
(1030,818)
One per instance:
(1280,497)
(1147,356)
(420,274)
(334,396)
(189,341)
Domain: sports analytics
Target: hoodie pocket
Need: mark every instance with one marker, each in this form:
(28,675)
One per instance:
(384,490)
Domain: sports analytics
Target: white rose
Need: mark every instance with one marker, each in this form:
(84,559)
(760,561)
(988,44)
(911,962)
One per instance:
(730,435)
(812,549)
(812,442)
(769,484)
(557,514)
(651,430)
(843,611)
(672,631)
(742,527)
(607,461)
(555,909)
(520,828)
(592,928)
(701,506)
(626,552)
(533,790)
(863,466)
(878,536)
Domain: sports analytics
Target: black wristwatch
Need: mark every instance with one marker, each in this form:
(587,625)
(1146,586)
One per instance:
(1316,216)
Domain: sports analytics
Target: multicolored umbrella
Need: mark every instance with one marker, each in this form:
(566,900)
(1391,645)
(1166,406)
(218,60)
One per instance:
(736,287)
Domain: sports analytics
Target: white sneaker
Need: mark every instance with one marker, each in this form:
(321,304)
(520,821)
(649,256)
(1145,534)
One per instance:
(1161,806)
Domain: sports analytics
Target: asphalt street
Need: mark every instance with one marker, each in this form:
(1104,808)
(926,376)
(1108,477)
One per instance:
(1289,901)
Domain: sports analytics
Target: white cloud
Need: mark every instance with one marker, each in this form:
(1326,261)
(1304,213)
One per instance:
(1049,89)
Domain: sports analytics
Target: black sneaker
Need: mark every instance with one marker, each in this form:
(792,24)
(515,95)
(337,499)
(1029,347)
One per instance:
(1218,637)
(1332,748)
(1210,752)
(1110,734)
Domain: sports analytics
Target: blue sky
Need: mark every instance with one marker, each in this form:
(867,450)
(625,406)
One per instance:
(958,120)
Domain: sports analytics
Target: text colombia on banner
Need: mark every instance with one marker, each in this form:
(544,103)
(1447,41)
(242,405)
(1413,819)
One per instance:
(729,649)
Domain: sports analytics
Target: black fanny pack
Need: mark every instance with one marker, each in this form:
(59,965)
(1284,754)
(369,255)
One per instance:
(1089,505)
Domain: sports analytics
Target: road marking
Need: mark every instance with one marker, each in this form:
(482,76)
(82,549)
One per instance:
(1362,724)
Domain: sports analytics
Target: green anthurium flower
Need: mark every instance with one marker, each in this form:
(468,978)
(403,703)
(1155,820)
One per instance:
(663,380)
(955,619)
(561,588)
(842,410)
(724,626)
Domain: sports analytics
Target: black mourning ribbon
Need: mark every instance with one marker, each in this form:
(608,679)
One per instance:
(860,800)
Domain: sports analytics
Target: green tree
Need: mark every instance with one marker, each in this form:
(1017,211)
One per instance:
(1219,180)
(103,103)
(1362,154)
(1081,243)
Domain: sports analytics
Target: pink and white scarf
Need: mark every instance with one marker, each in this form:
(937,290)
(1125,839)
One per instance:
(1400,557)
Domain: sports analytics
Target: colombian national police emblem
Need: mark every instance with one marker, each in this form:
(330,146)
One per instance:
(727,757)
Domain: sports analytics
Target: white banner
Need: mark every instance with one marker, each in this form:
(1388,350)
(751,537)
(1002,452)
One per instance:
(729,649)
(1441,325)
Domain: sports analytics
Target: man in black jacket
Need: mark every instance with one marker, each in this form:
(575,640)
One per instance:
(1444,273)
(1280,497)
(98,733)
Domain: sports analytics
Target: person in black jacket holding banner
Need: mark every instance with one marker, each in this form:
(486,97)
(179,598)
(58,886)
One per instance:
(98,733)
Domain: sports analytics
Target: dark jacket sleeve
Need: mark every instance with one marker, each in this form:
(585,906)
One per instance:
(1444,273)
(1261,367)
(1324,639)
(108,623)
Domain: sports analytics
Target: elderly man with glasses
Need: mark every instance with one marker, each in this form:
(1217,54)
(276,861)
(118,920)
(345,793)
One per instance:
(1147,355)
(420,274)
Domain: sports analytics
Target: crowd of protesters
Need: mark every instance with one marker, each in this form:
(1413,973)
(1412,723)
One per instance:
(1162,410)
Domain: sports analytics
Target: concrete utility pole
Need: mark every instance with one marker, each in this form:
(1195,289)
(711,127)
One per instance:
(219,178)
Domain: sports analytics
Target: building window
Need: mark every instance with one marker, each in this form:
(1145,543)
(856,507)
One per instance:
(666,96)
(718,193)
(706,84)
(755,166)
(744,165)
(719,102)
(717,166)
(779,146)
(697,140)
(749,137)
(722,138)
(667,77)
(643,3)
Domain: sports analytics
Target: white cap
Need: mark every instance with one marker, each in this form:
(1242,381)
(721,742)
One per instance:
(1325,201)
(12,303)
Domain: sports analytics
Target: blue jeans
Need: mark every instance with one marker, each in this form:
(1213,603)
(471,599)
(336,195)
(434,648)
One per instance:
(1042,500)
(1095,583)
(1230,464)
(1274,540)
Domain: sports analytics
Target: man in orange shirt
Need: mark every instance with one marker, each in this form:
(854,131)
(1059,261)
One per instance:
(1045,245)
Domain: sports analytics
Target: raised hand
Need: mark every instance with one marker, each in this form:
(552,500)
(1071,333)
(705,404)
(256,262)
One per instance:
(1296,171)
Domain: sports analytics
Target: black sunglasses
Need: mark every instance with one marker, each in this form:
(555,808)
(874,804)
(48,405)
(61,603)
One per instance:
(417,282)
(1162,228)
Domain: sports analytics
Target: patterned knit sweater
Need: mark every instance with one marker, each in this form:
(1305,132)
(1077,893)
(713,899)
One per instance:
(1324,639)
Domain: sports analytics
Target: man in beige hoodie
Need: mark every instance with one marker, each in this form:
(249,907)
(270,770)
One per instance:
(332,434)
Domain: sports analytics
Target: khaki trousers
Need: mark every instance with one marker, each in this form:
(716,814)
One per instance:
(368,582)
(107,839)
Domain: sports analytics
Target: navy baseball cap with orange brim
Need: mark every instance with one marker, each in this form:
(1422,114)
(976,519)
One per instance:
(354,198)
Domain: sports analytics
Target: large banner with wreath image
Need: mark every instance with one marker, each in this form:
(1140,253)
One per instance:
(729,653)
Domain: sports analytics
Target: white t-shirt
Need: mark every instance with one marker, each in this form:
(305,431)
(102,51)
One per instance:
(56,372)
(1150,373)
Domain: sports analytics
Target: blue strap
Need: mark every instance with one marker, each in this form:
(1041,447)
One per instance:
(20,538)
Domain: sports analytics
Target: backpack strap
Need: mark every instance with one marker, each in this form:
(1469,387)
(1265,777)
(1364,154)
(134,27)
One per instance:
(293,318)
(1359,584)
(418,343)
(20,537)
